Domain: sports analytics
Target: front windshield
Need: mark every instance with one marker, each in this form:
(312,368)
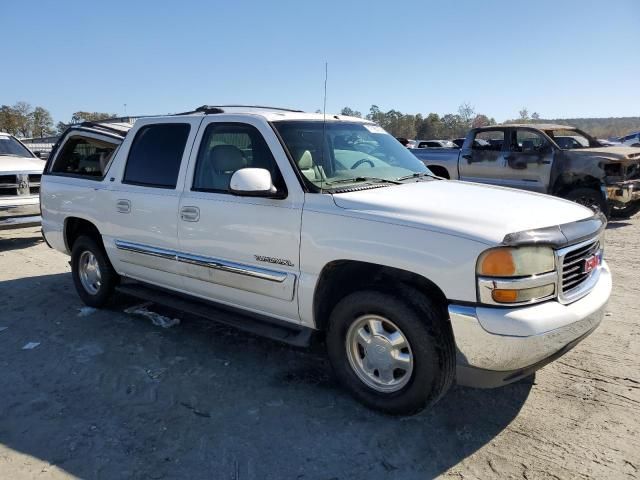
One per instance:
(10,146)
(339,153)
(571,139)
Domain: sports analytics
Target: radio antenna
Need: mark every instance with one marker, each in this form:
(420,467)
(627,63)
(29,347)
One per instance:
(324,123)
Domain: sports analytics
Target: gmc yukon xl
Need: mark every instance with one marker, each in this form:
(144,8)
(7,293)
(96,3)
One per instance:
(290,224)
(553,159)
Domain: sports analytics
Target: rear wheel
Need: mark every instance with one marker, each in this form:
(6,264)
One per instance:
(393,356)
(590,198)
(93,274)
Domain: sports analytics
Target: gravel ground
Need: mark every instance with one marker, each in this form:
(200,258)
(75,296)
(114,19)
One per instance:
(106,394)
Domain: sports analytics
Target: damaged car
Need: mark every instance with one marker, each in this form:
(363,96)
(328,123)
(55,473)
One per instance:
(555,159)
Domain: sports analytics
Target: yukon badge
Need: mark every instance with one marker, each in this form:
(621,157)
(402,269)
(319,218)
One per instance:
(277,261)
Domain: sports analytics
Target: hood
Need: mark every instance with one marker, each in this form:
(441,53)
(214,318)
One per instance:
(481,212)
(10,164)
(611,153)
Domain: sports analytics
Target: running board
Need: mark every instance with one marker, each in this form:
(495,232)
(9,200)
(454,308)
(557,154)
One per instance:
(257,324)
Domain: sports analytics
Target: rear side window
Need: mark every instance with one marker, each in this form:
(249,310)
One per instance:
(84,156)
(155,155)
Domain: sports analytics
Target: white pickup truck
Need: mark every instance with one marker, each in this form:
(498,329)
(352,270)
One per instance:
(20,172)
(289,224)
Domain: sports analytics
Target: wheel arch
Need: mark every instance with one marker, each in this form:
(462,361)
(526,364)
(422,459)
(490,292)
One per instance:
(74,227)
(339,278)
(564,184)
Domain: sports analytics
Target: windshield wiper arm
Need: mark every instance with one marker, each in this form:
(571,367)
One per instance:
(415,175)
(364,179)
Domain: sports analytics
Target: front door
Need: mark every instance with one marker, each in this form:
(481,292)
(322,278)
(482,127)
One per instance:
(237,250)
(483,159)
(528,161)
(144,196)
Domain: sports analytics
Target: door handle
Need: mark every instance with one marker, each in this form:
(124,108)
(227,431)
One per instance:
(190,214)
(123,205)
(467,156)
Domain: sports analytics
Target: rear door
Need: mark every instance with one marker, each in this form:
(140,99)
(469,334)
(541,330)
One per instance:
(143,200)
(483,159)
(77,169)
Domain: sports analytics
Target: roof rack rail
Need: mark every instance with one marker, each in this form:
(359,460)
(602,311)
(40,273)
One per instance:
(98,125)
(209,109)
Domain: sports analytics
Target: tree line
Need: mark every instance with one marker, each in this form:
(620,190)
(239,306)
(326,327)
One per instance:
(23,120)
(456,125)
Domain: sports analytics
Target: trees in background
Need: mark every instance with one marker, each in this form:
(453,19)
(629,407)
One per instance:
(425,127)
(79,117)
(22,120)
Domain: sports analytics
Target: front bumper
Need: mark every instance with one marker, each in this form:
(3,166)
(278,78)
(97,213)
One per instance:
(624,192)
(490,354)
(20,214)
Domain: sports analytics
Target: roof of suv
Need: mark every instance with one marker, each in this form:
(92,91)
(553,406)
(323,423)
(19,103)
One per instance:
(270,113)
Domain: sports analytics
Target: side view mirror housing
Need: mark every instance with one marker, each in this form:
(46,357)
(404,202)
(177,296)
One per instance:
(38,154)
(252,182)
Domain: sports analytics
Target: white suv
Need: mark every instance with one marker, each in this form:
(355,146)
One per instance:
(288,224)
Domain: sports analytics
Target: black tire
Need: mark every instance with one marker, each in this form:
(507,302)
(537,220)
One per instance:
(428,334)
(590,198)
(629,210)
(108,276)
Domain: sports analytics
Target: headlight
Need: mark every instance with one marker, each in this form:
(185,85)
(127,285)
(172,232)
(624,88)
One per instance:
(516,276)
(516,262)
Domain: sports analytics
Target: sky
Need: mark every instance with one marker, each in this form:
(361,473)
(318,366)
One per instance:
(560,58)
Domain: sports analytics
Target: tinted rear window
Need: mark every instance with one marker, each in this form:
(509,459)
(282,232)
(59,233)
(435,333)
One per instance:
(155,155)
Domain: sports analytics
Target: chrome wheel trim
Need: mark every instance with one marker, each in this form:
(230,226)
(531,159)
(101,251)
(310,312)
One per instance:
(379,353)
(89,272)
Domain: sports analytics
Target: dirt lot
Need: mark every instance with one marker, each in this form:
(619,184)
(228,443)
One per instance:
(107,394)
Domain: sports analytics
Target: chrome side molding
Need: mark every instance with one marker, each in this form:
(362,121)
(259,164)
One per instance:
(146,250)
(208,262)
(232,267)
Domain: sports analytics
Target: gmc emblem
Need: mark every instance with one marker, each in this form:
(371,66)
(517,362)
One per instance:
(591,263)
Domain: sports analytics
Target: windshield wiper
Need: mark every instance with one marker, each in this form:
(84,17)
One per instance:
(363,179)
(416,175)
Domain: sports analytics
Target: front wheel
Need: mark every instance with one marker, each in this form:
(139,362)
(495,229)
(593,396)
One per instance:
(625,211)
(590,198)
(93,274)
(392,355)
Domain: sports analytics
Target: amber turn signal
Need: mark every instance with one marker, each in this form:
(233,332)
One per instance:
(505,296)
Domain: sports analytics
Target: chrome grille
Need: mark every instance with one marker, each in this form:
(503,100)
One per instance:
(19,184)
(573,266)
(34,183)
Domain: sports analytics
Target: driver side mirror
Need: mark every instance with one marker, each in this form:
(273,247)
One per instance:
(38,154)
(252,182)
